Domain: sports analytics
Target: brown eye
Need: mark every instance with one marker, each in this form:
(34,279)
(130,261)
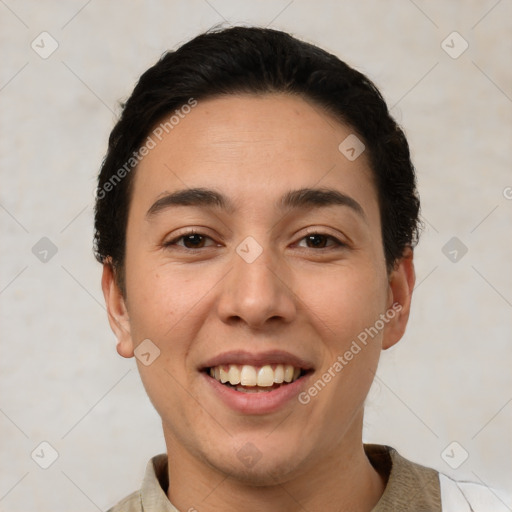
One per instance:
(190,241)
(320,240)
(193,241)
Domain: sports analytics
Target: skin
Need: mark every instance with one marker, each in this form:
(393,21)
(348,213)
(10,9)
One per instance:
(309,300)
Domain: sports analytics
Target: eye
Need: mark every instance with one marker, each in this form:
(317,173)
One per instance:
(191,240)
(319,241)
(194,240)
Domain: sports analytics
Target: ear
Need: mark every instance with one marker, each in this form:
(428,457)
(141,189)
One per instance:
(117,312)
(401,285)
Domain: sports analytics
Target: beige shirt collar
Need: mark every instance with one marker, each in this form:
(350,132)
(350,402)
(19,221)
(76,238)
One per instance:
(409,486)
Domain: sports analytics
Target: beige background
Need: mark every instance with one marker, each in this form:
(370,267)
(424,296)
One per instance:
(61,379)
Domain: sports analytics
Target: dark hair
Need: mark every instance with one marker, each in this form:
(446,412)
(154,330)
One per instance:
(256,61)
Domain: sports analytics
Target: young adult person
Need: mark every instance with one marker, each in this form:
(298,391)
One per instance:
(256,218)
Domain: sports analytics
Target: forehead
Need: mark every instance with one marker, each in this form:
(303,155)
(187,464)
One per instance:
(253,148)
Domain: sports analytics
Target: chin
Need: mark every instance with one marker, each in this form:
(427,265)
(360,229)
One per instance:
(258,469)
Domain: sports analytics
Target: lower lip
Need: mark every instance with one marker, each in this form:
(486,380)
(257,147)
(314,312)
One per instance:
(256,403)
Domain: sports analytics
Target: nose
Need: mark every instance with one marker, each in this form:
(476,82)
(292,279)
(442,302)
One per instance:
(257,292)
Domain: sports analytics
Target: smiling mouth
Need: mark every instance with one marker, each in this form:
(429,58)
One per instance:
(255,379)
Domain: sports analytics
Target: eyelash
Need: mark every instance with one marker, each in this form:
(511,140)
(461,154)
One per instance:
(338,243)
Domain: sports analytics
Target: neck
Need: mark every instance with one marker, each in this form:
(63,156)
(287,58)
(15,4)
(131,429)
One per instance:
(343,480)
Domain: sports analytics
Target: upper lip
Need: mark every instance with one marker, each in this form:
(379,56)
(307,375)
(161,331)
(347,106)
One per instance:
(242,357)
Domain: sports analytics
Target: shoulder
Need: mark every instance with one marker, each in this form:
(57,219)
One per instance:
(411,486)
(461,496)
(131,503)
(152,494)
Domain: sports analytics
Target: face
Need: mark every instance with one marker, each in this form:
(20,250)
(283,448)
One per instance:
(250,279)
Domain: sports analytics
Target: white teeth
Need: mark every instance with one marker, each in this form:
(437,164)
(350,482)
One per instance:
(265,376)
(279,374)
(234,375)
(247,375)
(224,376)
(288,373)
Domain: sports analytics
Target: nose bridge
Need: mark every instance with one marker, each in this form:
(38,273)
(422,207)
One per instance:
(254,290)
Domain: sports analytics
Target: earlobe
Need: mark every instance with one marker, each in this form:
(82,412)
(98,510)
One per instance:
(401,285)
(117,313)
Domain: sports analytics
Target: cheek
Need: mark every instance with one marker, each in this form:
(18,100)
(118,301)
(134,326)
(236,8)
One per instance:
(345,306)
(345,300)
(163,304)
(164,300)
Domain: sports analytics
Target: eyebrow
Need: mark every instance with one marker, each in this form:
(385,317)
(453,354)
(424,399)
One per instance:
(304,198)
